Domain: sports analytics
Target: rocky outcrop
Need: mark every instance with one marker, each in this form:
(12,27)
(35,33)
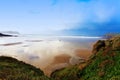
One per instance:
(98,45)
(115,42)
(112,43)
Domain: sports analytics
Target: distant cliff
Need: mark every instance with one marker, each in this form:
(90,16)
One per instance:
(104,64)
(7,35)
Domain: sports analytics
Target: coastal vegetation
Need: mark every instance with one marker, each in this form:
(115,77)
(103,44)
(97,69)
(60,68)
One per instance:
(104,64)
(12,69)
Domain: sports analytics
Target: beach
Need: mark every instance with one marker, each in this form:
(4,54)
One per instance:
(48,53)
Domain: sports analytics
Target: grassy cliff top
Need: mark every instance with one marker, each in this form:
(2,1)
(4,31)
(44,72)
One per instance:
(12,69)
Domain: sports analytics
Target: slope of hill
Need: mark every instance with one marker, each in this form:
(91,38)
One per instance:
(104,64)
(12,69)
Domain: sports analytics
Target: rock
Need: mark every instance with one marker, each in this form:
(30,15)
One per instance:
(116,42)
(98,45)
(109,44)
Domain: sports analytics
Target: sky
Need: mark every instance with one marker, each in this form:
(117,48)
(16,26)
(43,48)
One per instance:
(60,17)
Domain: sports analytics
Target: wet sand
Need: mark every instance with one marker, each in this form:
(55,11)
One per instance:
(33,40)
(85,53)
(11,44)
(63,58)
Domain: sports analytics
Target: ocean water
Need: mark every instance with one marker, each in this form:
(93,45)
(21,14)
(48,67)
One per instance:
(41,51)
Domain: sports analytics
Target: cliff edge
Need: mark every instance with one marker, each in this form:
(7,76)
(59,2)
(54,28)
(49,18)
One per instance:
(12,69)
(104,64)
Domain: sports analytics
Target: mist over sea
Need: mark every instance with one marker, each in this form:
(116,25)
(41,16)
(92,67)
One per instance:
(47,52)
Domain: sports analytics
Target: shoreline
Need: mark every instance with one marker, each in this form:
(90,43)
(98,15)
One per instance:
(48,55)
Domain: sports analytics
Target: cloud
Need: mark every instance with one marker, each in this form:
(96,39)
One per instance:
(95,29)
(95,16)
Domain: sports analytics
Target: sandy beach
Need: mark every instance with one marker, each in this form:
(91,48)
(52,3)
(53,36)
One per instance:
(63,60)
(46,53)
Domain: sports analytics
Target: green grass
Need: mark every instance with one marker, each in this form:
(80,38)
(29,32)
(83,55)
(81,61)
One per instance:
(70,73)
(12,69)
(101,70)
